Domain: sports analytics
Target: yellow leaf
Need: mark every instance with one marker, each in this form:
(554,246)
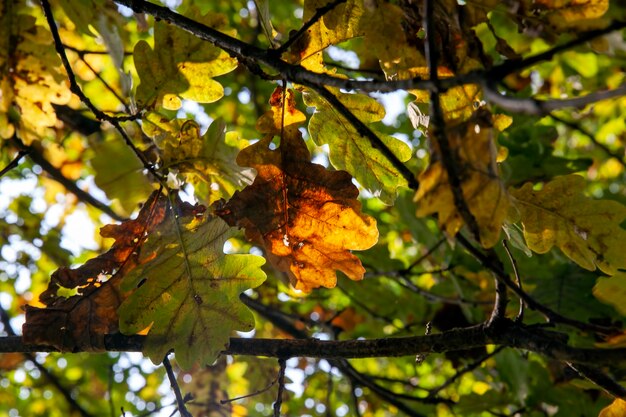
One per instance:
(616,409)
(612,290)
(486,198)
(180,65)
(587,231)
(31,78)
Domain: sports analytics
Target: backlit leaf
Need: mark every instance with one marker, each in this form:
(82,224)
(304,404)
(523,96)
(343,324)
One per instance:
(31,78)
(207,161)
(616,409)
(80,321)
(352,152)
(483,191)
(180,66)
(119,173)
(186,289)
(306,217)
(587,231)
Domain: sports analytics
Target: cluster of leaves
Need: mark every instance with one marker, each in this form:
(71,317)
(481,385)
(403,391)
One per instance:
(504,133)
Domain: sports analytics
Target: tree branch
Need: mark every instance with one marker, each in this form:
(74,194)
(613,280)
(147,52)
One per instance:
(56,174)
(601,379)
(537,107)
(438,128)
(319,13)
(75,88)
(507,333)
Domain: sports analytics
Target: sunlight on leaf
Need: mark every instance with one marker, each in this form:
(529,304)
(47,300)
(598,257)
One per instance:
(186,289)
(180,66)
(473,143)
(587,231)
(306,217)
(352,152)
(206,161)
(616,409)
(31,77)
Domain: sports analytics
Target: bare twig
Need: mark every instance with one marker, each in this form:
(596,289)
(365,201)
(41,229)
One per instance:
(518,279)
(601,379)
(491,262)
(15,162)
(58,176)
(282,363)
(75,88)
(578,128)
(467,368)
(439,133)
(537,107)
(252,394)
(180,401)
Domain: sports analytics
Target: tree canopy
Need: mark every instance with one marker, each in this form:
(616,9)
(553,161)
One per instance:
(313,208)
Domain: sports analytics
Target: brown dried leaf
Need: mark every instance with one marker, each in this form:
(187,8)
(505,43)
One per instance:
(487,200)
(306,217)
(80,321)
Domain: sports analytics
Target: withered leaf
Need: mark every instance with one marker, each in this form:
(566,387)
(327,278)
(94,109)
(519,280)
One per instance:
(79,322)
(306,217)
(483,191)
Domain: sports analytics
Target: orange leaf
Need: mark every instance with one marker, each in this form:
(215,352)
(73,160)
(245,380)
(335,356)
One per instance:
(616,409)
(306,217)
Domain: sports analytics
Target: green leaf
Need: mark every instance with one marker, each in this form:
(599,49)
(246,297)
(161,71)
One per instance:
(352,152)
(180,66)
(119,173)
(207,161)
(587,231)
(190,296)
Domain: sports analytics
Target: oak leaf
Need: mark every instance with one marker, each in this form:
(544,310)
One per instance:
(352,152)
(587,231)
(31,76)
(79,322)
(473,145)
(186,290)
(206,161)
(180,65)
(306,217)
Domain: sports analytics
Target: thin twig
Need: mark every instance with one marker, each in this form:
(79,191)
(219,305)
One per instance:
(252,394)
(282,363)
(491,262)
(174,384)
(75,88)
(538,107)
(601,379)
(319,13)
(57,175)
(439,133)
(467,368)
(578,128)
(518,279)
(53,379)
(15,162)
